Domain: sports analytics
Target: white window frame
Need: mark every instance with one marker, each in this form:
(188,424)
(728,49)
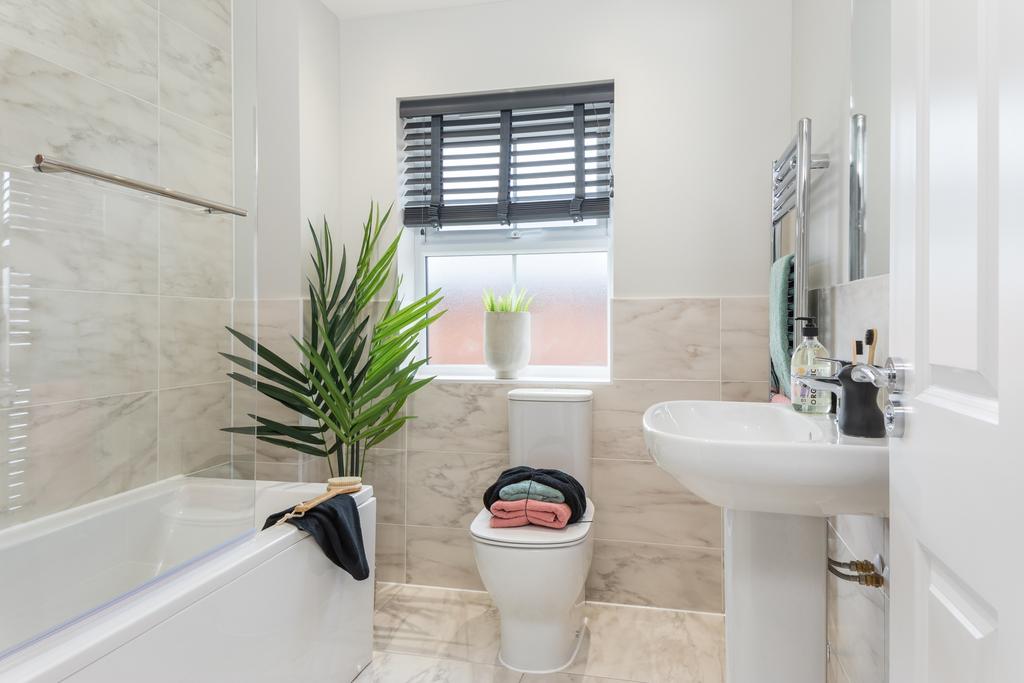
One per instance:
(514,241)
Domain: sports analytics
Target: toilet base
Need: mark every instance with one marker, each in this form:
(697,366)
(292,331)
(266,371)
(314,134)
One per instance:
(532,648)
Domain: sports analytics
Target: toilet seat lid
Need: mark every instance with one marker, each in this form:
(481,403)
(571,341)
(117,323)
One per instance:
(531,535)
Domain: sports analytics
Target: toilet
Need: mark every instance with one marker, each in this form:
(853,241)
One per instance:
(536,575)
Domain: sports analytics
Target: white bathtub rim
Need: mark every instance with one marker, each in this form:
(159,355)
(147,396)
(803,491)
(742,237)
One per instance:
(24,531)
(70,648)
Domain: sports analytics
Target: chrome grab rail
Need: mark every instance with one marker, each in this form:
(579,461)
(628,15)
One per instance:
(46,165)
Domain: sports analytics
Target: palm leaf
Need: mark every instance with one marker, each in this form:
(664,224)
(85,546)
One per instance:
(355,376)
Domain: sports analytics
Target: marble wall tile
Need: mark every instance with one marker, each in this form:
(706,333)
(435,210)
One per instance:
(858,641)
(278,320)
(440,557)
(243,399)
(191,336)
(445,489)
(666,339)
(756,392)
(196,252)
(834,671)
(51,110)
(195,159)
(118,48)
(460,416)
(71,453)
(681,647)
(315,469)
(195,77)
(619,409)
(390,552)
(210,19)
(277,471)
(745,338)
(383,591)
(656,576)
(191,419)
(70,345)
(856,615)
(385,471)
(864,535)
(71,234)
(640,502)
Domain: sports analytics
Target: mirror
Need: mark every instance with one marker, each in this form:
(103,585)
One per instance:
(869,139)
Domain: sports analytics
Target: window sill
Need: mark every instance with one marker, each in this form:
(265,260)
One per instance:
(554,374)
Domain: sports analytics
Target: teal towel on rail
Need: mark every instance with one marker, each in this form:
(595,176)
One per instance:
(532,490)
(778,320)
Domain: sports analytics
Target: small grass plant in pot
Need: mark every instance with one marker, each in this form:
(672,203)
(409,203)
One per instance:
(507,332)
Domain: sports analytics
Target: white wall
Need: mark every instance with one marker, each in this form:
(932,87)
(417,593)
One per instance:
(299,144)
(821,91)
(319,111)
(702,106)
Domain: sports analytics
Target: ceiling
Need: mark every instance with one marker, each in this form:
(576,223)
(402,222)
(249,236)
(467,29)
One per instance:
(347,9)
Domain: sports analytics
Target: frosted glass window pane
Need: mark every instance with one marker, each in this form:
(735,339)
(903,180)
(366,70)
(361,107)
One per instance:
(457,338)
(570,311)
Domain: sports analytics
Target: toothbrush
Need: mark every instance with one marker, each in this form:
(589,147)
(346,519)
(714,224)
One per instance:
(871,340)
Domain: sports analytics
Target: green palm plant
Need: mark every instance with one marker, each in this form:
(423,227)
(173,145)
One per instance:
(355,376)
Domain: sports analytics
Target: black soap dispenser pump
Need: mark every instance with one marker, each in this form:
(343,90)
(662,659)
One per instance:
(859,414)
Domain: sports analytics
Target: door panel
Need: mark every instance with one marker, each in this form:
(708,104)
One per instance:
(957,477)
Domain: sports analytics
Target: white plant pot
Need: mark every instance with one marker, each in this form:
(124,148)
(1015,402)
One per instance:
(506,343)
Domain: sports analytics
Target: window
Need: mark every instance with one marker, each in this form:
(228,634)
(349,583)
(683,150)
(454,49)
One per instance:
(513,189)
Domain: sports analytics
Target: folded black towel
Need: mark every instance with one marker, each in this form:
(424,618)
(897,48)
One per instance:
(575,496)
(334,525)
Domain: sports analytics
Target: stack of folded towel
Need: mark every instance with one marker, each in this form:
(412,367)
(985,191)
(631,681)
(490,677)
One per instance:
(524,495)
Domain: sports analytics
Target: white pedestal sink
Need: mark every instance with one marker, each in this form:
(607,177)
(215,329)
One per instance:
(778,473)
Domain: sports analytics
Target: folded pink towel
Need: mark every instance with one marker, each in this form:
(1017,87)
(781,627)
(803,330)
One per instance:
(508,513)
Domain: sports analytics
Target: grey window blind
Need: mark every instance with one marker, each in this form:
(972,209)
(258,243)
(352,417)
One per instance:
(508,157)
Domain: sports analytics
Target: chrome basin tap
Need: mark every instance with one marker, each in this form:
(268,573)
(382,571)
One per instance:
(856,388)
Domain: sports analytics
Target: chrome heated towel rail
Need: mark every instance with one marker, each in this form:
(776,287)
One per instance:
(791,184)
(46,165)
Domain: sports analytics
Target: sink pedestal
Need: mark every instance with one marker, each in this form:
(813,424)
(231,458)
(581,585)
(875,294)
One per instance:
(774,597)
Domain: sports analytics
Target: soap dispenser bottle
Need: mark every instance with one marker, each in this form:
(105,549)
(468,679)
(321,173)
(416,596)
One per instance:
(809,359)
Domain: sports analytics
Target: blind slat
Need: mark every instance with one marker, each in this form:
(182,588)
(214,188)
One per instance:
(519,212)
(424,123)
(512,165)
(514,187)
(409,182)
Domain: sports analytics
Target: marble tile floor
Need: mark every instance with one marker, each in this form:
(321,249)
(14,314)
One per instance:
(444,635)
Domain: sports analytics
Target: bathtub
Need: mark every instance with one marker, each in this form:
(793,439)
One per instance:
(173,582)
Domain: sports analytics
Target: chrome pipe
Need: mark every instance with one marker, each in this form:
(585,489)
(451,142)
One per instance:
(802,208)
(780,213)
(784,157)
(858,205)
(783,188)
(784,171)
(783,200)
(46,165)
(819,161)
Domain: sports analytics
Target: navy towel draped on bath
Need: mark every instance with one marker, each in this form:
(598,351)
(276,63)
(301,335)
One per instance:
(334,525)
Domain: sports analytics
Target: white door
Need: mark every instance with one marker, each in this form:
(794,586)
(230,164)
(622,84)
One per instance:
(957,476)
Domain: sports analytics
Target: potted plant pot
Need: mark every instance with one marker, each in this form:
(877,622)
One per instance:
(506,342)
